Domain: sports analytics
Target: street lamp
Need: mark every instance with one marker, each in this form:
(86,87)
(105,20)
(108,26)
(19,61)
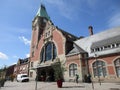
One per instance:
(97,68)
(35,69)
(36,80)
(36,75)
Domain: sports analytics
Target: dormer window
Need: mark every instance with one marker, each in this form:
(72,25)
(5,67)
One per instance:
(117,44)
(101,48)
(112,45)
(97,49)
(106,47)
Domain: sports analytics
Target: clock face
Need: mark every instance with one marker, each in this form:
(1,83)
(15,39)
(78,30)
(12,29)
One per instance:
(48,31)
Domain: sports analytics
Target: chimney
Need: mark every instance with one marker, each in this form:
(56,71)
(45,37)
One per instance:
(90,30)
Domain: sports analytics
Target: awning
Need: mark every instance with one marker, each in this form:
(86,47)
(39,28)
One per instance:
(41,66)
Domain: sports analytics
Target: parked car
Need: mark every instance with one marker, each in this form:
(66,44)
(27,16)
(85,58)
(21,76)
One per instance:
(22,78)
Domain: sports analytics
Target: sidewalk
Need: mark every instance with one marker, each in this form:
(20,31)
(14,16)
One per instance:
(52,86)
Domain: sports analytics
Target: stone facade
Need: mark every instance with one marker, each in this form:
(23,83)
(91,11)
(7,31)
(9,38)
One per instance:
(50,44)
(42,34)
(111,74)
(103,55)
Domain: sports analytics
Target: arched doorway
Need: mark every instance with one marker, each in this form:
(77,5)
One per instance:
(46,74)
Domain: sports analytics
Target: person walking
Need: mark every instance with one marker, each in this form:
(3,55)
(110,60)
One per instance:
(76,78)
(89,78)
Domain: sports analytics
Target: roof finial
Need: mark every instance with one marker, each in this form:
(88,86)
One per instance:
(42,12)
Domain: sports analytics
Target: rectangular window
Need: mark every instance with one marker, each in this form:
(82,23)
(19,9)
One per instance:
(105,47)
(32,53)
(31,64)
(31,74)
(72,70)
(104,72)
(49,52)
(71,73)
(95,72)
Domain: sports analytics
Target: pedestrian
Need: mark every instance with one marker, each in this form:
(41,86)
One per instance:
(48,78)
(76,78)
(89,78)
(85,78)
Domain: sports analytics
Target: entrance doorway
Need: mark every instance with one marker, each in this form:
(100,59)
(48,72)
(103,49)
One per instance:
(46,74)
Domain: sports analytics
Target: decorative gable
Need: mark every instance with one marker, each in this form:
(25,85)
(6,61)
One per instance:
(48,33)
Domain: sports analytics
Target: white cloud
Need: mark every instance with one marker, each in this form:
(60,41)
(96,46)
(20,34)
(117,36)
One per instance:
(3,56)
(114,20)
(25,40)
(27,55)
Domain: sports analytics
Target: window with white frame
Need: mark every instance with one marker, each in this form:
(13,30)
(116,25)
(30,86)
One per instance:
(117,66)
(105,47)
(72,70)
(31,74)
(31,64)
(99,68)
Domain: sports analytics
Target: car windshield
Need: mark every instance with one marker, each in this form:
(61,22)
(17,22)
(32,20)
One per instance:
(24,76)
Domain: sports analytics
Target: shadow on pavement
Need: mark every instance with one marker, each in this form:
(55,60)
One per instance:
(73,87)
(114,89)
(10,86)
(117,83)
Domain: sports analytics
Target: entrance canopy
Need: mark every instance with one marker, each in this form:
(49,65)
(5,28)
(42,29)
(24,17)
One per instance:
(40,66)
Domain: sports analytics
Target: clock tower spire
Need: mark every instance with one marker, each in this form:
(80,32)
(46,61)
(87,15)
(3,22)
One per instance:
(42,12)
(38,24)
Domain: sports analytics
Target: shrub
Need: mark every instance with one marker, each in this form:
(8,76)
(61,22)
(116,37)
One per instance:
(2,82)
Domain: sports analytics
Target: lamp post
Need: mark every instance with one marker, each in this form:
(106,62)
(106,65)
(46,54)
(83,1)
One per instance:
(36,76)
(36,80)
(97,69)
(35,69)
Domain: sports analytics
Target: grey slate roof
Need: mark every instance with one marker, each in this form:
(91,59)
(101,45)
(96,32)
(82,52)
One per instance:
(75,50)
(107,41)
(69,37)
(100,38)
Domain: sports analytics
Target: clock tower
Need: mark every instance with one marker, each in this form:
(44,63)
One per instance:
(38,25)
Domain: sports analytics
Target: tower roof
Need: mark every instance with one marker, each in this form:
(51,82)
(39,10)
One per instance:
(42,12)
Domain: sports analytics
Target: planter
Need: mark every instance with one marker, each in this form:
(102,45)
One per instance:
(59,83)
(59,70)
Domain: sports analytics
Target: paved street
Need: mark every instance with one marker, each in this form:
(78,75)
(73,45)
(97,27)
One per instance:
(52,86)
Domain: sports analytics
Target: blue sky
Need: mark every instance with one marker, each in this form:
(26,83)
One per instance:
(73,16)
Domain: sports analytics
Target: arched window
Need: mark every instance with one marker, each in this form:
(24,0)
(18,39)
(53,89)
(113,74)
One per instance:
(42,55)
(48,52)
(99,68)
(54,52)
(117,66)
(72,70)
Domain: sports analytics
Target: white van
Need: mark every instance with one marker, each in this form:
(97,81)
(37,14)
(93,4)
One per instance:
(22,78)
